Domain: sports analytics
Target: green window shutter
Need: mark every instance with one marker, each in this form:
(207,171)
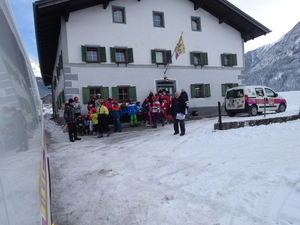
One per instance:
(235,85)
(129,53)
(192,58)
(153,56)
(132,92)
(207,90)
(204,58)
(115,93)
(105,93)
(102,54)
(222,59)
(169,57)
(112,54)
(234,60)
(85,95)
(223,86)
(83,53)
(193,93)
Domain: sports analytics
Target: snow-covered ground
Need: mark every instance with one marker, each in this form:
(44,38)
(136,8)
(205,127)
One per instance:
(149,176)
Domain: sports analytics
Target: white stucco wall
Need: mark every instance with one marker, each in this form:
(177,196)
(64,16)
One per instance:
(94,26)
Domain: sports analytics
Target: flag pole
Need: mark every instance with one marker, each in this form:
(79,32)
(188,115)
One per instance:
(167,67)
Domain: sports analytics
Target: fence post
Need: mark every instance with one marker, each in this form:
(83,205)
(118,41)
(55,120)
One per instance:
(220,117)
(265,111)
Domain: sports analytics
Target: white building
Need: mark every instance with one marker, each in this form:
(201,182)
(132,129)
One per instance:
(121,48)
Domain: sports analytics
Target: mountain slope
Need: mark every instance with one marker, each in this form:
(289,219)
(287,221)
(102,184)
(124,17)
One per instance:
(276,65)
(43,90)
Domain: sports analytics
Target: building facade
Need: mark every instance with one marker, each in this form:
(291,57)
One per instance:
(124,49)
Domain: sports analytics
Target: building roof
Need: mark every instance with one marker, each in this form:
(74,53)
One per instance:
(48,13)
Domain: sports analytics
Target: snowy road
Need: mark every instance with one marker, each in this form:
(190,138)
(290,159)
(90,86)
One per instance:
(149,176)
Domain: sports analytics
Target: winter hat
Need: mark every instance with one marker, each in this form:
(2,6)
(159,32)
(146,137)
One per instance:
(71,100)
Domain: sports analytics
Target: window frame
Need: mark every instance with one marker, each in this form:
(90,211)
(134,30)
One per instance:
(131,93)
(86,93)
(229,59)
(203,56)
(101,53)
(123,51)
(122,94)
(121,9)
(205,93)
(167,56)
(162,19)
(128,55)
(202,94)
(198,19)
(90,49)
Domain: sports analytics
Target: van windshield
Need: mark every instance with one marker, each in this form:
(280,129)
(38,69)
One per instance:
(235,93)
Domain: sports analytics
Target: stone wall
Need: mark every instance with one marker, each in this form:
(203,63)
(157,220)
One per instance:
(251,123)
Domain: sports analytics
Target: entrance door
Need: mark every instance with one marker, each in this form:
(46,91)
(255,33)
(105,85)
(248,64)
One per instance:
(167,85)
(169,89)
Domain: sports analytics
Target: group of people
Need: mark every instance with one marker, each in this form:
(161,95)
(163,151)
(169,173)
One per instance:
(156,107)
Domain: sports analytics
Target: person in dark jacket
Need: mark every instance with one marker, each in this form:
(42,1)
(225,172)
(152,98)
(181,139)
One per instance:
(185,97)
(178,107)
(70,118)
(92,102)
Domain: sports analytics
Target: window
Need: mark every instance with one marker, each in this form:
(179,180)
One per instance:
(259,92)
(93,54)
(158,19)
(270,93)
(200,90)
(88,92)
(228,59)
(124,93)
(118,14)
(121,55)
(195,22)
(235,93)
(227,86)
(160,56)
(199,58)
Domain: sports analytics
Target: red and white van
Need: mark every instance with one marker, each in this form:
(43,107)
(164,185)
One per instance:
(253,100)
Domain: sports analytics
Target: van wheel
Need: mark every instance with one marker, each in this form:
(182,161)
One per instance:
(281,108)
(253,110)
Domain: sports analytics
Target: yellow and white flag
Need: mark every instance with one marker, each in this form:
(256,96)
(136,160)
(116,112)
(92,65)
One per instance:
(180,49)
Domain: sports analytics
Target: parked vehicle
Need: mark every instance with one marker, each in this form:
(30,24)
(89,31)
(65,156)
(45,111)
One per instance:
(253,100)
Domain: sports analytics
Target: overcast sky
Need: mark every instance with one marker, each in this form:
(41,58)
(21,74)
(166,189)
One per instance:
(280,16)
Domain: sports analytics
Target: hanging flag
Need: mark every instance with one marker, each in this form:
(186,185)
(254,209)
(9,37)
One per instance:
(180,49)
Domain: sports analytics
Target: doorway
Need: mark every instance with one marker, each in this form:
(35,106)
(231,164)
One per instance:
(169,86)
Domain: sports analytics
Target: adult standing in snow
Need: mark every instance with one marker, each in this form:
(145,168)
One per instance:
(178,107)
(102,112)
(185,97)
(77,106)
(70,118)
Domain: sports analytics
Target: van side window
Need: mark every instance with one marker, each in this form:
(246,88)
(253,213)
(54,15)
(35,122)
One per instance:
(270,93)
(235,94)
(259,92)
